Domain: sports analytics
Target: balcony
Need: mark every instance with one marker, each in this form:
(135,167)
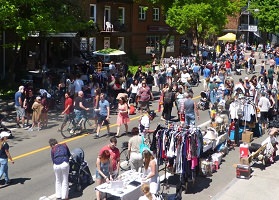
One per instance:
(116,26)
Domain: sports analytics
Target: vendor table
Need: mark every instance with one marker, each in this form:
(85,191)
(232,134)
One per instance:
(127,190)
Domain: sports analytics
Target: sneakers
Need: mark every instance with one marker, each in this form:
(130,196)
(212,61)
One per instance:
(7,183)
(96,136)
(30,129)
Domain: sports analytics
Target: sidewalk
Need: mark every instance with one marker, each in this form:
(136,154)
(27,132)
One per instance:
(263,184)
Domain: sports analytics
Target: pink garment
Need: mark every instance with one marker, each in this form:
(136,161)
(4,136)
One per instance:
(122,118)
(194,162)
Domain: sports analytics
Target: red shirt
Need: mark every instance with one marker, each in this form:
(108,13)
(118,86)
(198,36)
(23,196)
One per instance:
(114,155)
(228,64)
(69,102)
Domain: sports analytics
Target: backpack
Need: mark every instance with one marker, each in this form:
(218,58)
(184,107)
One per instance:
(168,97)
(60,150)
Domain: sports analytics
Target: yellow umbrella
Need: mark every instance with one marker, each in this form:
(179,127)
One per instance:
(228,37)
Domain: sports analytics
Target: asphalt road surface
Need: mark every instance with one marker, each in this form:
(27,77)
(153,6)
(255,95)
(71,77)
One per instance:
(33,177)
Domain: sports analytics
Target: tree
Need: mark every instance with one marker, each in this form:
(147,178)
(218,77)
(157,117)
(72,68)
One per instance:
(266,11)
(202,18)
(22,17)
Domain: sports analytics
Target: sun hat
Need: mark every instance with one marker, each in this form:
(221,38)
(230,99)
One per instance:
(4,134)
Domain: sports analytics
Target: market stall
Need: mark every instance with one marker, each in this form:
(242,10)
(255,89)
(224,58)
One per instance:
(126,187)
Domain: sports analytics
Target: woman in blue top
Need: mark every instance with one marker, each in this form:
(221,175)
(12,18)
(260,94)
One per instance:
(4,156)
(60,155)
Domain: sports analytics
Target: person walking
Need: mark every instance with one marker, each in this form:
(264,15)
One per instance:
(28,102)
(122,117)
(145,95)
(114,156)
(190,110)
(37,108)
(20,111)
(4,156)
(103,115)
(264,105)
(103,170)
(134,155)
(60,155)
(169,98)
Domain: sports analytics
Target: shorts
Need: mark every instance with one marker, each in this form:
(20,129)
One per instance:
(144,105)
(263,117)
(20,112)
(66,118)
(101,119)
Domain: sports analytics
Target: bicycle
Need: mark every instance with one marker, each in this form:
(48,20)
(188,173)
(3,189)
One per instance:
(71,128)
(124,158)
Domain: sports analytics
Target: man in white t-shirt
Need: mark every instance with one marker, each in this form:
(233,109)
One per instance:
(264,105)
(144,124)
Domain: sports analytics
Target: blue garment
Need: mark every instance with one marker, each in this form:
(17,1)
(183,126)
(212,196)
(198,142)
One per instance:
(213,96)
(277,60)
(196,69)
(103,105)
(104,168)
(190,119)
(60,153)
(4,162)
(206,73)
(17,96)
(4,169)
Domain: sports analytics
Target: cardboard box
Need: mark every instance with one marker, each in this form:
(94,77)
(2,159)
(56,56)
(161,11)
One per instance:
(244,161)
(243,171)
(247,136)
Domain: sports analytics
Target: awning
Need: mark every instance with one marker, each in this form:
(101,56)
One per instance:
(228,37)
(109,52)
(67,35)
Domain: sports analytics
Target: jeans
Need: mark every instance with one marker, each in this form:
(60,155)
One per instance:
(190,119)
(78,115)
(62,180)
(4,169)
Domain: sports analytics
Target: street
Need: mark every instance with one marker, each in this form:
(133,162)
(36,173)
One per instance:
(33,177)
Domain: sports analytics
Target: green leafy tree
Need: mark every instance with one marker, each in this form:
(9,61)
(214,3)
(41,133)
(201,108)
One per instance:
(266,11)
(201,18)
(19,18)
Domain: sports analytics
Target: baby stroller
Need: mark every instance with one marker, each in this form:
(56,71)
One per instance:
(79,173)
(203,104)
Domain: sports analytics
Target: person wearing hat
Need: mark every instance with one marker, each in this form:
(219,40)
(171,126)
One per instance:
(4,156)
(37,108)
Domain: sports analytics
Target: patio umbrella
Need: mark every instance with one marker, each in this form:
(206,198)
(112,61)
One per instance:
(228,37)
(109,52)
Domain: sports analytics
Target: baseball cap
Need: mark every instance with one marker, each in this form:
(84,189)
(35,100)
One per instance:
(246,78)
(38,98)
(152,113)
(4,134)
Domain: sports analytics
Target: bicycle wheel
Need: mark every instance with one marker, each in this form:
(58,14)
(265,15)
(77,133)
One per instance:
(67,129)
(89,126)
(124,162)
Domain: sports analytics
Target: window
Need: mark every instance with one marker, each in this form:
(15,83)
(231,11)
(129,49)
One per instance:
(93,12)
(152,44)
(120,43)
(106,42)
(170,47)
(156,15)
(92,44)
(142,13)
(83,44)
(121,15)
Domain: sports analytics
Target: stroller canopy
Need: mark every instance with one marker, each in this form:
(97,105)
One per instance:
(78,155)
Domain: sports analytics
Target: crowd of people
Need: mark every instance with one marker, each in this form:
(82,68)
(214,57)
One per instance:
(174,78)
